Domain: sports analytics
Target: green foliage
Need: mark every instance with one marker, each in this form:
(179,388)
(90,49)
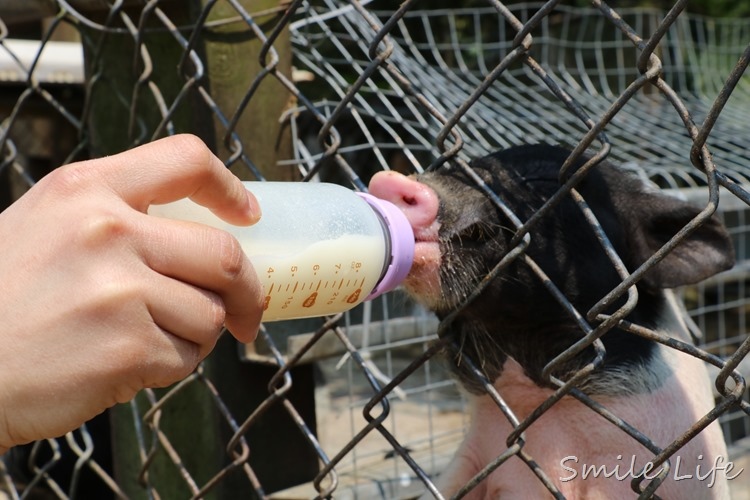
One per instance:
(712,8)
(721,8)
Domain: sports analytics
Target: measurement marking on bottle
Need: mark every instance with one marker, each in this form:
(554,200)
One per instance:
(296,283)
(318,287)
(341,284)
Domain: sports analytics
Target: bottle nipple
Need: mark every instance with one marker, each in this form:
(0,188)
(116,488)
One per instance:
(401,239)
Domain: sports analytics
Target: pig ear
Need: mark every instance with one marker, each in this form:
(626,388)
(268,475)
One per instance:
(656,219)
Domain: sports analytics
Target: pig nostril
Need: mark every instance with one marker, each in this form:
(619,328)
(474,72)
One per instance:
(418,201)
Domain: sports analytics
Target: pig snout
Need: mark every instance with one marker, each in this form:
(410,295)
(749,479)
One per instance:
(418,201)
(420,204)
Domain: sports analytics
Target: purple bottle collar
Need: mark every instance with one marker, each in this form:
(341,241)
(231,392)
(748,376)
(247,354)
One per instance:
(402,244)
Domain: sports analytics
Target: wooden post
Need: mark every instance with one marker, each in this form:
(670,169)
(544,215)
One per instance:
(232,63)
(280,456)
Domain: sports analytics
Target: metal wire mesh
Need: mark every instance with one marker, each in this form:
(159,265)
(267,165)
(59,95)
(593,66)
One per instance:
(662,92)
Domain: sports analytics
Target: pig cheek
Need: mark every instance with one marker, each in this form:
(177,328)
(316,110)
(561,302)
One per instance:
(423,280)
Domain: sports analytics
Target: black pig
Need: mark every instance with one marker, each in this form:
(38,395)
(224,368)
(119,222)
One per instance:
(515,326)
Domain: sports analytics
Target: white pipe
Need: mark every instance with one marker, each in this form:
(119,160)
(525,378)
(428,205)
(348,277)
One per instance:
(59,62)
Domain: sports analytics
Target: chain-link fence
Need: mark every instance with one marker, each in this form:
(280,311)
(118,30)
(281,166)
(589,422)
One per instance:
(360,405)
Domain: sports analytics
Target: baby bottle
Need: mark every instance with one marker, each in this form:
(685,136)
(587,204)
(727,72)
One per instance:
(318,248)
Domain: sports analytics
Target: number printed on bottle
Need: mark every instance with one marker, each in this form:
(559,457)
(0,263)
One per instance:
(318,282)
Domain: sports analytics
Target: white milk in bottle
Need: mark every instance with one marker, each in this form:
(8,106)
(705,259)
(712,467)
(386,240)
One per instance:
(318,249)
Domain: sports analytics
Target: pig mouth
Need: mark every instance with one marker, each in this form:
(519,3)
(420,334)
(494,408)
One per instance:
(435,263)
(426,249)
(426,235)
(423,281)
(432,279)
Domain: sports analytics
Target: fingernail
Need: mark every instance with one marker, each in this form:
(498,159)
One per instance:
(253,207)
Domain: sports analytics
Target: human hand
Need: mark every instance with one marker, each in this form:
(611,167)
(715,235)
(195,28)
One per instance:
(101,300)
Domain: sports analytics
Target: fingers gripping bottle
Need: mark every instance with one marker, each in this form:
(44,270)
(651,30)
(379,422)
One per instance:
(319,248)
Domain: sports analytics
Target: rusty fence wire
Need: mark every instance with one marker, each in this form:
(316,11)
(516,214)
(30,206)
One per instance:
(361,405)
